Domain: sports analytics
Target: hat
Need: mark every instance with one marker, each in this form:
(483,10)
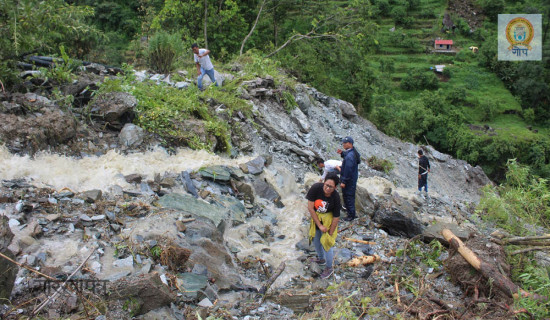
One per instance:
(347,139)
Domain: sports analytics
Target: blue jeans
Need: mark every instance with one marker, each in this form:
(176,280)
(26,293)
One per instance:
(321,253)
(348,193)
(423,182)
(210,74)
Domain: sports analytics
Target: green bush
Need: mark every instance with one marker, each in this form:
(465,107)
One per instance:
(163,51)
(380,164)
(528,115)
(488,110)
(419,80)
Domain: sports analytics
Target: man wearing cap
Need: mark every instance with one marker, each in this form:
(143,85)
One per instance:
(349,174)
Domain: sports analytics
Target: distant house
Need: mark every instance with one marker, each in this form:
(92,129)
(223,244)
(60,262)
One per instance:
(443,45)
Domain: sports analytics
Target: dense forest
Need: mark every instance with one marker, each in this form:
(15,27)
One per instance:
(376,54)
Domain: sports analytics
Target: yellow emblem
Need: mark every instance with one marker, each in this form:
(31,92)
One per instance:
(519,32)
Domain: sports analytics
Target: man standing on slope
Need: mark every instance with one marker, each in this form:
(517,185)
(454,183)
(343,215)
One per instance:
(423,169)
(204,65)
(349,175)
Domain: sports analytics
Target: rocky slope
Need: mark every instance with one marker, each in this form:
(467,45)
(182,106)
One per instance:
(174,235)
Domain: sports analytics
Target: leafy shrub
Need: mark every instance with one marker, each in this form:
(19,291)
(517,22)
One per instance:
(387,65)
(419,80)
(380,164)
(457,95)
(524,199)
(528,115)
(465,55)
(164,49)
(447,72)
(383,7)
(488,110)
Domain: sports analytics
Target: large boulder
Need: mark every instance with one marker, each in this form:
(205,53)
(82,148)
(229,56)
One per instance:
(196,207)
(202,238)
(131,135)
(265,190)
(190,132)
(37,131)
(115,108)
(397,217)
(142,293)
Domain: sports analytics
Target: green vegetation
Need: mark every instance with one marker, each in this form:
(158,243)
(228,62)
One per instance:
(163,51)
(520,204)
(379,164)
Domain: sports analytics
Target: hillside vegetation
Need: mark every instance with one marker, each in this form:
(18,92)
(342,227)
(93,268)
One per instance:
(376,54)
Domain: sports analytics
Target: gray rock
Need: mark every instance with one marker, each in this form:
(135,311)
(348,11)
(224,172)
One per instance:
(92,196)
(255,166)
(200,269)
(146,290)
(195,207)
(300,119)
(124,263)
(193,284)
(397,216)
(264,190)
(216,173)
(246,189)
(133,178)
(188,184)
(131,135)
(85,218)
(205,303)
(115,108)
(182,85)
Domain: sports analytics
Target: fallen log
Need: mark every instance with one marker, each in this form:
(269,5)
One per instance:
(364,260)
(358,241)
(487,270)
(272,279)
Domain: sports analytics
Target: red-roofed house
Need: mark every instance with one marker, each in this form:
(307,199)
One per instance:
(443,44)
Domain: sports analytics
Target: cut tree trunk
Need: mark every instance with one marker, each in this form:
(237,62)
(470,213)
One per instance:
(488,270)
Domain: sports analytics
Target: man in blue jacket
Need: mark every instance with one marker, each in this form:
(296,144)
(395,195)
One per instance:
(349,174)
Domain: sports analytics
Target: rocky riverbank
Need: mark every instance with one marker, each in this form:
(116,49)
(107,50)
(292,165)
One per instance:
(175,235)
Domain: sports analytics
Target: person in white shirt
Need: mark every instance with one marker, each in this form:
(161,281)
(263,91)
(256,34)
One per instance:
(328,166)
(204,65)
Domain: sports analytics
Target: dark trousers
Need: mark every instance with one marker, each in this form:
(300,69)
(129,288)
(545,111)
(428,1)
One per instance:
(348,193)
(423,182)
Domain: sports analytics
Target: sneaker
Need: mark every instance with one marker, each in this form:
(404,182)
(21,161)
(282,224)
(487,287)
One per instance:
(327,273)
(318,261)
(349,218)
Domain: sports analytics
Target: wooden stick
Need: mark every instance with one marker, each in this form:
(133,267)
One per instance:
(530,249)
(43,304)
(488,271)
(346,228)
(26,267)
(188,220)
(516,239)
(358,241)
(273,277)
(396,285)
(361,261)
